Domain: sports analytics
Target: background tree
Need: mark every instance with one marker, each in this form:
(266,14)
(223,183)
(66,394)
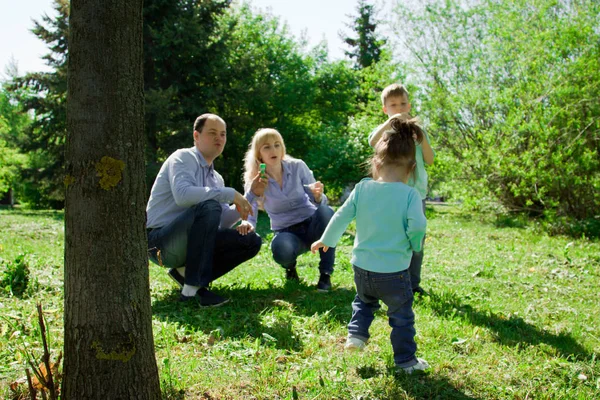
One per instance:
(511,97)
(44,95)
(183,58)
(210,56)
(108,342)
(13,123)
(366,47)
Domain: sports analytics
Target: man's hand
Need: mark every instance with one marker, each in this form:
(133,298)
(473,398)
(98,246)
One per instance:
(242,205)
(317,190)
(245,228)
(259,185)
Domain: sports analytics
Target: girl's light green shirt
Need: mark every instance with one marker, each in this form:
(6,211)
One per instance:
(390,225)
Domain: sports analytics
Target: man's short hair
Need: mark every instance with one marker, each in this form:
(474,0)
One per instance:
(393,90)
(201,120)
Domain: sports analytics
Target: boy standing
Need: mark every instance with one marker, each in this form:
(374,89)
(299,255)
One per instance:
(394,99)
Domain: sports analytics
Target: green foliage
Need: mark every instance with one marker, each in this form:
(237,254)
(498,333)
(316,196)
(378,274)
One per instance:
(13,122)
(15,275)
(511,94)
(340,153)
(183,57)
(44,95)
(206,56)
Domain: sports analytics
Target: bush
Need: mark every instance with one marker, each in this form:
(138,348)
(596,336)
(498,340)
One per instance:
(511,94)
(15,276)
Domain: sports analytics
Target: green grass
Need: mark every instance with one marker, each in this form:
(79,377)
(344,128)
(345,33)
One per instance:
(513,314)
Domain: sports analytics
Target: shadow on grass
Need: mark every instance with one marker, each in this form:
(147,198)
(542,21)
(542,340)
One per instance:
(419,385)
(427,386)
(510,221)
(509,332)
(265,314)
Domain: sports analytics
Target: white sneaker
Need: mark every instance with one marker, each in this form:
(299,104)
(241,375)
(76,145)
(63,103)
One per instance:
(354,344)
(421,365)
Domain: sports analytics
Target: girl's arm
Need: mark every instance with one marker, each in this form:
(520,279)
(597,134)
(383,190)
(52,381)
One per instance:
(338,223)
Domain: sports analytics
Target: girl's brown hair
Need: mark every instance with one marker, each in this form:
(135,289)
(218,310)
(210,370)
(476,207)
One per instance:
(397,146)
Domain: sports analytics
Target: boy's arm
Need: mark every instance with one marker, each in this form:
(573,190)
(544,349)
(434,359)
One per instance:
(375,135)
(428,155)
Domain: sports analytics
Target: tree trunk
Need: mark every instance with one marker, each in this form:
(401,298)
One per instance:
(109,348)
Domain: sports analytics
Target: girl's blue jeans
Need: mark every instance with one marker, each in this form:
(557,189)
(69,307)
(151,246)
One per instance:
(395,291)
(295,240)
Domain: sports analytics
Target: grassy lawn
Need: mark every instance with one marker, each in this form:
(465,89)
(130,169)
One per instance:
(512,314)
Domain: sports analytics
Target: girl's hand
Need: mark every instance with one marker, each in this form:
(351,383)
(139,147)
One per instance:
(259,185)
(245,228)
(317,190)
(318,245)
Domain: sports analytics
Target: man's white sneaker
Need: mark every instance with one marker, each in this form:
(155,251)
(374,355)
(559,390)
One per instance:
(354,344)
(421,365)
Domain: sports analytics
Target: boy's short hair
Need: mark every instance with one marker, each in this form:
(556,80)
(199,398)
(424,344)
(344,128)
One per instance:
(393,90)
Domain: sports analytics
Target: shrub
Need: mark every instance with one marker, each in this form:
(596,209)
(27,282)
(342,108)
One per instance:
(15,276)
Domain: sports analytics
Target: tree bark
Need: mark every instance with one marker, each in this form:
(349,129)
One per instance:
(109,348)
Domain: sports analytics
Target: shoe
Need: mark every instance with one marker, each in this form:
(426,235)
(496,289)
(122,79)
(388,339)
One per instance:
(421,365)
(205,298)
(354,344)
(324,284)
(176,277)
(291,274)
(420,291)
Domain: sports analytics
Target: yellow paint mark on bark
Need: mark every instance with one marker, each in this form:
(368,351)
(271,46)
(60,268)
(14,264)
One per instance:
(123,352)
(109,170)
(69,180)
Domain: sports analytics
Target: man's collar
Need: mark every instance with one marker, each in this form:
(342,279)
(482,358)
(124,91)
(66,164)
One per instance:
(203,161)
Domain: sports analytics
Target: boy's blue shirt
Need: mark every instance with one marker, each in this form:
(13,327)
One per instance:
(390,225)
(420,178)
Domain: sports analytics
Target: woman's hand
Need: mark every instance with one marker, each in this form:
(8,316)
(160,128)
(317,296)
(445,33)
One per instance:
(245,228)
(259,185)
(318,245)
(317,190)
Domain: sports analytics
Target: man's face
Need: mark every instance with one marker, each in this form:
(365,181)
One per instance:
(211,141)
(396,105)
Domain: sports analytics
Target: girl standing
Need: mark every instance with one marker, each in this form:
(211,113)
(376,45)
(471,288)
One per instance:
(390,225)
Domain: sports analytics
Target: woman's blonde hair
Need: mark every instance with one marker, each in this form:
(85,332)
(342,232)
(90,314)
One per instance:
(252,159)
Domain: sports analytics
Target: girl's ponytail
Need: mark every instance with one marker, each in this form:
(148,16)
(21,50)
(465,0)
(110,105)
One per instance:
(397,146)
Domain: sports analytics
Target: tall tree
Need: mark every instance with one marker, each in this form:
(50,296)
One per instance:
(44,94)
(13,122)
(366,46)
(108,344)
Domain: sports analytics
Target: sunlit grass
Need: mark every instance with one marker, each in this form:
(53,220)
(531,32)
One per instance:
(513,314)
